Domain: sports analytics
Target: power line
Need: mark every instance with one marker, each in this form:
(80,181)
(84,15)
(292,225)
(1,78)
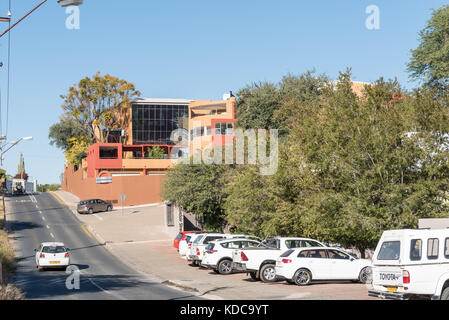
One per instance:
(9,68)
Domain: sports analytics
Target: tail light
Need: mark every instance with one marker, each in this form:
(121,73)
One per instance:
(197,251)
(42,255)
(405,276)
(66,255)
(243,256)
(286,260)
(211,251)
(189,244)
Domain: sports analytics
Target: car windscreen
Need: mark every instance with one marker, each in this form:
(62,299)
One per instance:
(179,236)
(287,253)
(198,239)
(390,250)
(54,249)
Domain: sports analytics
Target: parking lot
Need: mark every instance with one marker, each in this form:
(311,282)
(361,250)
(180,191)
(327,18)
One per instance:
(136,237)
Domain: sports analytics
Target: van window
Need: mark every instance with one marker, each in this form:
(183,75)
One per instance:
(390,250)
(415,249)
(446,248)
(432,248)
(211,238)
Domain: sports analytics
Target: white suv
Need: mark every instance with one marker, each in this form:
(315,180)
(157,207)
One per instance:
(412,263)
(218,254)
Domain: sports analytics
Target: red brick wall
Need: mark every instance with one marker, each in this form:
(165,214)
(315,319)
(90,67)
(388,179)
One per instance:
(138,189)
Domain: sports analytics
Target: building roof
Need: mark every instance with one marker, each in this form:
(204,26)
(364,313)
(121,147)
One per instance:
(160,101)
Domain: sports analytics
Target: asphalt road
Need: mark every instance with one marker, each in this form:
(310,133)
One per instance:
(40,218)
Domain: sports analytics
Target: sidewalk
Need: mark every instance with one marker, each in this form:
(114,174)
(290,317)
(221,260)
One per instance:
(137,238)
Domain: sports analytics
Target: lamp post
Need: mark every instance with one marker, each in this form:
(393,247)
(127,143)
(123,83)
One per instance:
(13,143)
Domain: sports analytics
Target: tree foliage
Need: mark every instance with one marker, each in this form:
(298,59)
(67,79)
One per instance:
(352,168)
(430,60)
(91,107)
(198,189)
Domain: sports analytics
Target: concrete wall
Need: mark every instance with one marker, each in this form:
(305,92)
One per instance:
(433,223)
(138,189)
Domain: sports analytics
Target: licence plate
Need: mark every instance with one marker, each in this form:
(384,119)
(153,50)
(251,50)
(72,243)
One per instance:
(392,289)
(55,262)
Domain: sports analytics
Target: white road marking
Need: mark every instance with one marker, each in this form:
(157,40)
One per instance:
(43,218)
(98,217)
(48,227)
(52,235)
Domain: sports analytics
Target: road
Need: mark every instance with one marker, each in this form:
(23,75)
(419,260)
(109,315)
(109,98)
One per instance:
(39,218)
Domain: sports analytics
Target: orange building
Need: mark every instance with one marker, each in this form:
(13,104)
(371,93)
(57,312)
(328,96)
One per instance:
(128,163)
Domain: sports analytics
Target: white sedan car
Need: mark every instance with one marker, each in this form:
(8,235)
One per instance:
(52,255)
(301,266)
(218,254)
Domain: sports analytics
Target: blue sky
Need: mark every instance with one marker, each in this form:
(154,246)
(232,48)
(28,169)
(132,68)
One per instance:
(189,49)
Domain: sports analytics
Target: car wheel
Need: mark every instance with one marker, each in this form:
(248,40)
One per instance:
(91,211)
(445,294)
(366,275)
(109,208)
(216,271)
(268,273)
(302,277)
(254,276)
(225,267)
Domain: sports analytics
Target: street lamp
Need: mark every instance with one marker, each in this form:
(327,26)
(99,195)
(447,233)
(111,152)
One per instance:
(13,143)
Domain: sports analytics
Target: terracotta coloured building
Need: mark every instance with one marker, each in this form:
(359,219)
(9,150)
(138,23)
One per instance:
(126,164)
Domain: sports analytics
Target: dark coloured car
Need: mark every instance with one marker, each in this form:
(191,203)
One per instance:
(94,205)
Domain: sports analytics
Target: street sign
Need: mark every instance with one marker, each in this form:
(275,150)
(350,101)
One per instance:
(102,180)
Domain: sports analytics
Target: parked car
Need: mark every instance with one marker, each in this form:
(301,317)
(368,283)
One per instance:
(94,205)
(52,255)
(412,264)
(260,262)
(181,236)
(218,254)
(199,244)
(301,266)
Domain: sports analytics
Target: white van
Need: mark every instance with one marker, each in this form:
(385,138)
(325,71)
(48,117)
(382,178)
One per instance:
(411,264)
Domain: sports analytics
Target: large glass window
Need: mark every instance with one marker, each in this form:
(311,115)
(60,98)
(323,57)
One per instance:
(153,124)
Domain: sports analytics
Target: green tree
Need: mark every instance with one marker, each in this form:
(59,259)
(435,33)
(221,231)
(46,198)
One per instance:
(256,104)
(60,133)
(21,166)
(430,60)
(156,152)
(91,107)
(198,189)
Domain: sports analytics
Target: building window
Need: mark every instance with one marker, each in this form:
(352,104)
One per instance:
(108,153)
(170,214)
(224,128)
(153,124)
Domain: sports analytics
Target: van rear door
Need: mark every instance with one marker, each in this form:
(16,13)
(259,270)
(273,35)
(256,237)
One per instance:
(387,271)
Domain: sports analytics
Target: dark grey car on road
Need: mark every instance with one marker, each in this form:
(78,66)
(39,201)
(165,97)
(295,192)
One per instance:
(94,205)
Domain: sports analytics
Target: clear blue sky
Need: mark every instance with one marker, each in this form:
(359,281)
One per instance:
(189,49)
